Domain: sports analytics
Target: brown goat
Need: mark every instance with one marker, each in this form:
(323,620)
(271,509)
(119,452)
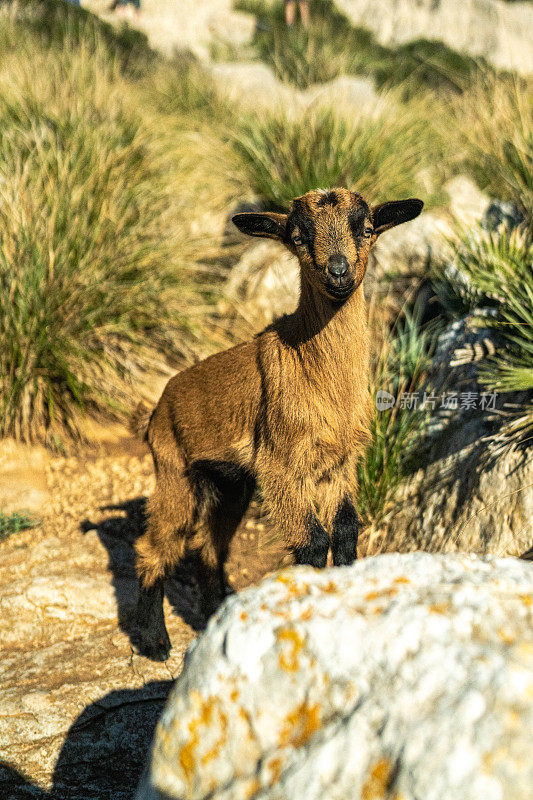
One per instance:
(289,409)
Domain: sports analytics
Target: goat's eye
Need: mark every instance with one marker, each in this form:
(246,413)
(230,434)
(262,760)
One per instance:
(297,237)
(368,231)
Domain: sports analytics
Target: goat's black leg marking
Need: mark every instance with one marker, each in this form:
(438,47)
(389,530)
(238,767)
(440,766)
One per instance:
(154,640)
(344,534)
(315,552)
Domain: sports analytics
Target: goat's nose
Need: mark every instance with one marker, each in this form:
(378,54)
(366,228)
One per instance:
(337,265)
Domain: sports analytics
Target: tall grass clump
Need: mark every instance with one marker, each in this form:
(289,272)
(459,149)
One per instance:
(91,292)
(332,46)
(56,23)
(495,271)
(382,155)
(399,368)
(496,138)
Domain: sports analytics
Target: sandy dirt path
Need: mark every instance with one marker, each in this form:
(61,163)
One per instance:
(78,705)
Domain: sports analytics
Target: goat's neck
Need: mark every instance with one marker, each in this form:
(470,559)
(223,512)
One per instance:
(329,333)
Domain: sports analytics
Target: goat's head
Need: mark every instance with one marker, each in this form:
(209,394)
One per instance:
(331,232)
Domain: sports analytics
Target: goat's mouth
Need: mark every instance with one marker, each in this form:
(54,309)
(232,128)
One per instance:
(339,292)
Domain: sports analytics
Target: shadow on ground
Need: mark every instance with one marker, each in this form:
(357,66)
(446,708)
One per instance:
(118,535)
(105,750)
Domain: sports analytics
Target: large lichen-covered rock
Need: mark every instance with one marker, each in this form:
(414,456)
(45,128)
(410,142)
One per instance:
(403,676)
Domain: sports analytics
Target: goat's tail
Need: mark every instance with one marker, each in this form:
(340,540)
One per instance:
(140,419)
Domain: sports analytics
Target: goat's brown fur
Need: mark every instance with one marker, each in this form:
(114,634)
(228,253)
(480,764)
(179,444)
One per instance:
(290,409)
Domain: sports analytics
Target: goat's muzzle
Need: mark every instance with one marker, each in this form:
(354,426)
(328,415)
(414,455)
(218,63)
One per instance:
(339,280)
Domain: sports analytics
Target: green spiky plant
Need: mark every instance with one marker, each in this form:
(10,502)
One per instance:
(400,368)
(494,269)
(15,522)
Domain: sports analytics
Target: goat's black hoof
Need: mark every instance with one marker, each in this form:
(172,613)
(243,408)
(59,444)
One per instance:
(156,648)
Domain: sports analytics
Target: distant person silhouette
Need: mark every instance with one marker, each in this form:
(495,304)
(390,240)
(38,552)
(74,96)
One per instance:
(290,12)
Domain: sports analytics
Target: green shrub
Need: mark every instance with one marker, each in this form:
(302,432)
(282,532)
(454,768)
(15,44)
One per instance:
(15,522)
(182,90)
(91,290)
(400,367)
(57,23)
(495,270)
(380,156)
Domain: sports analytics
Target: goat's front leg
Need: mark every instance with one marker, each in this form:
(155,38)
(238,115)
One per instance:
(314,548)
(344,534)
(289,501)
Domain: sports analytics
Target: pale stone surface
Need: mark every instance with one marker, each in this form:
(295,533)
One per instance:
(501,32)
(265,281)
(77,704)
(408,249)
(468,204)
(403,676)
(255,86)
(22,478)
(187,25)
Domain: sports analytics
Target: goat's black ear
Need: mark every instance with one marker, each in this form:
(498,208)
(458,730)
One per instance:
(266,224)
(387,215)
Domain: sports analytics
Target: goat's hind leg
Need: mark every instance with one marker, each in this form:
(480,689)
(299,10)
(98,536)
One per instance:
(159,550)
(231,490)
(154,641)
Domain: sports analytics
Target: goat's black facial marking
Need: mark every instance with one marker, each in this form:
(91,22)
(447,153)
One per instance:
(304,227)
(328,199)
(357,219)
(344,534)
(315,552)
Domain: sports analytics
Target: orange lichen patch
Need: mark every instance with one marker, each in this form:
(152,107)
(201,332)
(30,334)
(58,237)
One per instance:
(275,769)
(438,608)
(295,589)
(526,599)
(493,757)
(214,751)
(306,614)
(246,718)
(330,587)
(506,636)
(300,725)
(253,788)
(244,616)
(377,785)
(402,579)
(203,719)
(289,656)
(378,610)
(234,695)
(382,593)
